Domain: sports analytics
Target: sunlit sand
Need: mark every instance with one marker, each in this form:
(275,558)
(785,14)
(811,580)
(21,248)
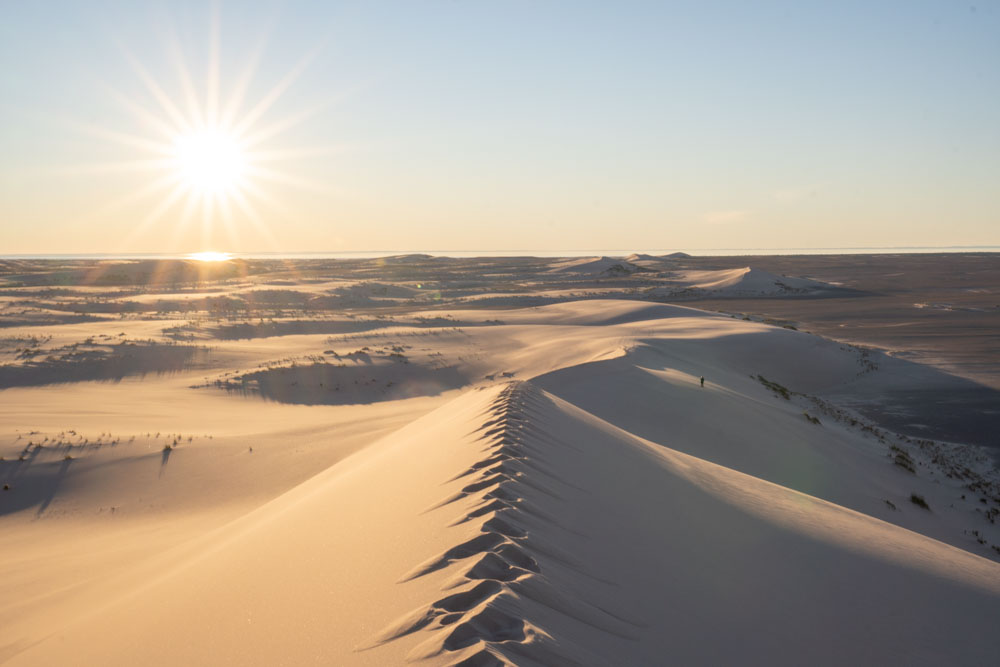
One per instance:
(400,460)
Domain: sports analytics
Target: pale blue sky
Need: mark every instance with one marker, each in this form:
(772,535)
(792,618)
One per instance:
(515,124)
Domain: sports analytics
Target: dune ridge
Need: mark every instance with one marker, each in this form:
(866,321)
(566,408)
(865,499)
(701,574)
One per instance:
(536,533)
(485,622)
(530,588)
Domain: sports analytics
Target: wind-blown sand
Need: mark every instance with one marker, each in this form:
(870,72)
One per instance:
(419,477)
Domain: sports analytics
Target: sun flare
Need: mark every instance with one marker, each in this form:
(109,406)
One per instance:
(213,156)
(210,256)
(210,161)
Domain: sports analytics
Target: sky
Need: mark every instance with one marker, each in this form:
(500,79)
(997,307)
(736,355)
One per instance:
(497,125)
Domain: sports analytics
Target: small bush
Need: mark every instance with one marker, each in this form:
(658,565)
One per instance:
(904,461)
(811,419)
(919,501)
(775,387)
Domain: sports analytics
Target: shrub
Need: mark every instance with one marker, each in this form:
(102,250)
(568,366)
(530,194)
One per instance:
(775,387)
(904,461)
(919,501)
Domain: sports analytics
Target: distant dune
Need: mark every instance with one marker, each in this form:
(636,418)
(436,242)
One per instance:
(745,281)
(607,266)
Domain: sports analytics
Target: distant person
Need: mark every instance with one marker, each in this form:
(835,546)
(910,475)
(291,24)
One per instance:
(702,380)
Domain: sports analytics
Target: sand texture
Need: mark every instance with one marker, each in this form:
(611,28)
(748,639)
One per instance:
(635,460)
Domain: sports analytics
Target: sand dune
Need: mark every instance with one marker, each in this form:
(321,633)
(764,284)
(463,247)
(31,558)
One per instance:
(741,282)
(606,266)
(453,485)
(508,537)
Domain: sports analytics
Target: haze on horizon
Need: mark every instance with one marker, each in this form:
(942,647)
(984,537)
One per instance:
(471,125)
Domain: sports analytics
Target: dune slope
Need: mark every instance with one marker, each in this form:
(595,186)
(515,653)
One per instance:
(512,527)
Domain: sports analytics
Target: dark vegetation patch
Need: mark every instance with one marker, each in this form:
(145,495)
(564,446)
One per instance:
(778,389)
(902,458)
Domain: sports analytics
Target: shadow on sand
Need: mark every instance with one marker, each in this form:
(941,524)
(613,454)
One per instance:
(332,384)
(113,363)
(30,483)
(165,457)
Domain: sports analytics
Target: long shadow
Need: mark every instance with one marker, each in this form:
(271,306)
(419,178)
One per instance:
(25,484)
(164,457)
(333,384)
(248,330)
(10,470)
(54,486)
(114,364)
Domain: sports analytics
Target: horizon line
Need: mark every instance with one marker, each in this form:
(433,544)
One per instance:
(319,254)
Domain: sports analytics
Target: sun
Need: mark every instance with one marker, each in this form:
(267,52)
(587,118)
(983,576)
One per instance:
(209,161)
(211,157)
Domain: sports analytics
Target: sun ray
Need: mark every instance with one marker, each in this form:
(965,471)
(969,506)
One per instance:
(167,203)
(282,213)
(283,178)
(274,94)
(284,154)
(283,125)
(157,92)
(239,92)
(228,222)
(148,190)
(122,138)
(144,115)
(191,204)
(194,107)
(268,200)
(207,226)
(151,164)
(246,207)
(212,71)
(213,150)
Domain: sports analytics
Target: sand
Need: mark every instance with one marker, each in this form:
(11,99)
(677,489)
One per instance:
(504,461)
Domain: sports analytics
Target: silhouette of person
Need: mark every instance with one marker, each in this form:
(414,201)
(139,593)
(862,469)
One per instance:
(703,381)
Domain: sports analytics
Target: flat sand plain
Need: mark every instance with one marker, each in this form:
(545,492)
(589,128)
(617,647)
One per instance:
(936,309)
(530,461)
